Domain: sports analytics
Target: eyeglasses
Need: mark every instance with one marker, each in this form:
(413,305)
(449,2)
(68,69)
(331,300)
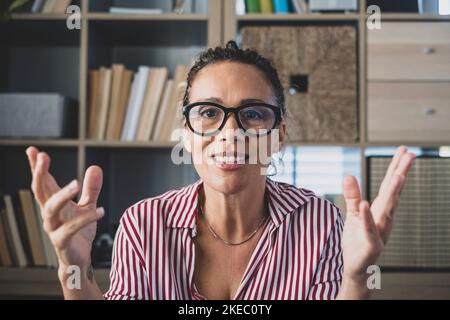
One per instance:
(254,118)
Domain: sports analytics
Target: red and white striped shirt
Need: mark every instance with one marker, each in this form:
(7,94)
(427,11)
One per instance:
(298,255)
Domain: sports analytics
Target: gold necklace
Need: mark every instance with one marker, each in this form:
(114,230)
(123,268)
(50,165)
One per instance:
(229,243)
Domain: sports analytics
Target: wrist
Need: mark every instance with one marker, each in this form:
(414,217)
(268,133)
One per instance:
(76,273)
(354,287)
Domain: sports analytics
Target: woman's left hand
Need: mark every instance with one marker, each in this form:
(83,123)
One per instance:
(367,227)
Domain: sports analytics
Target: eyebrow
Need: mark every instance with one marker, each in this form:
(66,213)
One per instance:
(243,101)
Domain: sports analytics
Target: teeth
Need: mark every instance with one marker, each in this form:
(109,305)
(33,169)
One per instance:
(229,159)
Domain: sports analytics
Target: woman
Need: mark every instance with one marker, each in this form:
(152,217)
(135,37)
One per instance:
(235,233)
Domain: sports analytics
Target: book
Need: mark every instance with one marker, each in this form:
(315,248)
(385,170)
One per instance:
(49,250)
(266,6)
(161,120)
(117,113)
(117,75)
(173,107)
(183,6)
(240,7)
(37,6)
(48,6)
(135,105)
(155,87)
(94,99)
(122,10)
(61,6)
(36,244)
(104,98)
(13,235)
(252,6)
(5,255)
(281,6)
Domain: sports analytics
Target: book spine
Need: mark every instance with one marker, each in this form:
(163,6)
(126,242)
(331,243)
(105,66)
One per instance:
(266,6)
(252,6)
(281,6)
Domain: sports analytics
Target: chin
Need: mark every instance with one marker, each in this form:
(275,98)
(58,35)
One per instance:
(229,181)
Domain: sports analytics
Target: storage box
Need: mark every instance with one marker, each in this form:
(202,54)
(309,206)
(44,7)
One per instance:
(37,115)
(317,66)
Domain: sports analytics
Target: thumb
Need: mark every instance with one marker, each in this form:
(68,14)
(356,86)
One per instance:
(352,194)
(92,185)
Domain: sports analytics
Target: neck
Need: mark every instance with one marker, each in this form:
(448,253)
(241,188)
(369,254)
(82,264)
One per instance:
(234,216)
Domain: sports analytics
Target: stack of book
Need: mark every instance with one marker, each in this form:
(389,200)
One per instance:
(50,6)
(23,241)
(139,107)
(271,6)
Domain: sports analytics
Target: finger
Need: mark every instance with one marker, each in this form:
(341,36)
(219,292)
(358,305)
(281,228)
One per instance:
(92,185)
(405,164)
(56,202)
(393,166)
(31,153)
(392,198)
(38,177)
(61,235)
(366,216)
(43,185)
(352,194)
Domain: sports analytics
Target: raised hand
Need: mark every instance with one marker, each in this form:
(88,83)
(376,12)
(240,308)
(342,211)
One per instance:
(71,226)
(367,227)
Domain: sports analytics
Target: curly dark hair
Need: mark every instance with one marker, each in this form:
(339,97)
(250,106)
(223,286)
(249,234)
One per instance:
(232,52)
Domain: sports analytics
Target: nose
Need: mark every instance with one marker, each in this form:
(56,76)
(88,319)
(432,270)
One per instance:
(230,130)
(230,122)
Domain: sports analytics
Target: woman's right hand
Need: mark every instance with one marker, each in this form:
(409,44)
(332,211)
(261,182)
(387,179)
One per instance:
(71,226)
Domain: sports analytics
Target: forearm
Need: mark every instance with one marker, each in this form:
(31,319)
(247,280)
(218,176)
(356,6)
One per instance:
(354,288)
(79,285)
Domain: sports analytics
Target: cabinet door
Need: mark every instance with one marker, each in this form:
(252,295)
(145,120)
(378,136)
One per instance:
(409,111)
(409,51)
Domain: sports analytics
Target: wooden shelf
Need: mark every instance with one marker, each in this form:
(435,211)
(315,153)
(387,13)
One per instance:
(413,16)
(298,17)
(136,144)
(43,283)
(39,282)
(38,16)
(40,142)
(148,17)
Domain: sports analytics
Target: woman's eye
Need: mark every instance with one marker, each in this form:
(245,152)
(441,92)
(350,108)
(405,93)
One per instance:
(208,113)
(252,114)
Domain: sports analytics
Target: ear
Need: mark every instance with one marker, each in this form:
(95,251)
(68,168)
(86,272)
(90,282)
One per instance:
(281,135)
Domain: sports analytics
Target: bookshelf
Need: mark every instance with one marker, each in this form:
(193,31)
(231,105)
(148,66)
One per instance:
(37,43)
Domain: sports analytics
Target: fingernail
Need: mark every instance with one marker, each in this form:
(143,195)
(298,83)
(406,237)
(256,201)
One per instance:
(73,185)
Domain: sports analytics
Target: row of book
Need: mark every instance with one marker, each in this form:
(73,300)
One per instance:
(50,6)
(23,241)
(177,6)
(129,106)
(271,6)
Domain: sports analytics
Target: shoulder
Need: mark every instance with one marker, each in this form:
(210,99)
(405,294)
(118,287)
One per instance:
(155,210)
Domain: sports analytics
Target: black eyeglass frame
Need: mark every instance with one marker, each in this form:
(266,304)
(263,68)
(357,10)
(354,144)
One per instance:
(277,111)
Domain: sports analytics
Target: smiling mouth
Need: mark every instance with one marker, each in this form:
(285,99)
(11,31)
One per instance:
(227,159)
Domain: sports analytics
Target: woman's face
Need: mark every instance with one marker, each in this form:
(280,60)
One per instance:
(232,84)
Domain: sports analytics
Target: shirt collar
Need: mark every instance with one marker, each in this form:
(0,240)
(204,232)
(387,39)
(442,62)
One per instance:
(284,199)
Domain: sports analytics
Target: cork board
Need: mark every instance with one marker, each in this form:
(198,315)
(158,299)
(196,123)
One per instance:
(319,62)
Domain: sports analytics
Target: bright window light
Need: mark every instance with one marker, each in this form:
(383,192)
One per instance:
(444,7)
